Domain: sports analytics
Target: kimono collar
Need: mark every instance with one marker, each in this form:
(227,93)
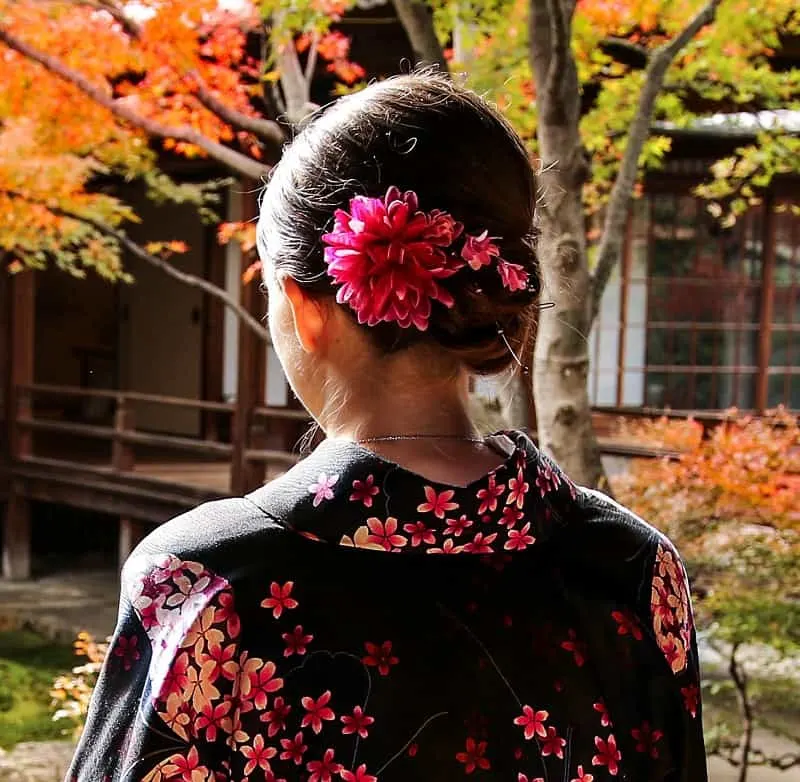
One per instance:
(344,494)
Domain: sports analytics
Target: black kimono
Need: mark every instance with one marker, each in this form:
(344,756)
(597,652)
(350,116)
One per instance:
(354,621)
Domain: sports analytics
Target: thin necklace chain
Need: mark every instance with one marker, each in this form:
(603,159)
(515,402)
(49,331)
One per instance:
(396,437)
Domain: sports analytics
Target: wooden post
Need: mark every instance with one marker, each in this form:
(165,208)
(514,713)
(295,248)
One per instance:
(213,334)
(252,356)
(17,528)
(766,303)
(122,461)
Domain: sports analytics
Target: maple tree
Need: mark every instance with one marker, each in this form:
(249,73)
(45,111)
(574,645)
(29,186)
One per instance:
(729,501)
(95,91)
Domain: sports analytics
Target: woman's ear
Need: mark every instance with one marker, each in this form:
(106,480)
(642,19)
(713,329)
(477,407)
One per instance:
(309,314)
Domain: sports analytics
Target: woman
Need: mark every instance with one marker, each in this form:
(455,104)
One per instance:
(410,602)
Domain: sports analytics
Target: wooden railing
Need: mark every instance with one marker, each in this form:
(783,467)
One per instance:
(262,446)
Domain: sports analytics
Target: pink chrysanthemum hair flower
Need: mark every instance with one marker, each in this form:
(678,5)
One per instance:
(388,258)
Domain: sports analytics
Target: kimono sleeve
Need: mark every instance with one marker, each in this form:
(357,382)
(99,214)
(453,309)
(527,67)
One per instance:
(673,626)
(164,702)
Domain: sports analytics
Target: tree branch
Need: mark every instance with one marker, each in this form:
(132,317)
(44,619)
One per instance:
(192,280)
(230,158)
(619,202)
(417,20)
(264,129)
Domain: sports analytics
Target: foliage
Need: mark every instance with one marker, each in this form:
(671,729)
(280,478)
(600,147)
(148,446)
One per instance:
(729,502)
(126,82)
(71,693)
(728,67)
(28,664)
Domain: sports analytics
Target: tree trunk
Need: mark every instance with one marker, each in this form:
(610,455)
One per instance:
(740,683)
(561,357)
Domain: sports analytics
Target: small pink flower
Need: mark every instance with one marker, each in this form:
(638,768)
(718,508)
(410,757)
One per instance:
(294,749)
(323,770)
(607,754)
(420,533)
(388,259)
(480,544)
(457,526)
(317,711)
(489,495)
(359,775)
(381,656)
(280,598)
(532,722)
(519,540)
(553,744)
(296,641)
(357,723)
(514,277)
(323,488)
(364,491)
(438,504)
(385,534)
(480,250)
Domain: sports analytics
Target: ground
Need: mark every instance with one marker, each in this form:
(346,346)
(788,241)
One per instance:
(56,608)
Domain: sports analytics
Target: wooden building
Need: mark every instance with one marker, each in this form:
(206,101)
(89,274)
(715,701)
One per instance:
(141,401)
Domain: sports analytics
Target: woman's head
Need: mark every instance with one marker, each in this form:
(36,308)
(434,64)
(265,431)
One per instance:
(419,133)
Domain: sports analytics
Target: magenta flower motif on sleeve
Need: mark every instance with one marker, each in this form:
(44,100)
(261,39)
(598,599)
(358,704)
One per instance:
(514,277)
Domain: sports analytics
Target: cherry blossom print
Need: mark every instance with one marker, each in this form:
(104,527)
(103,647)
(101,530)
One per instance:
(358,722)
(317,711)
(553,744)
(583,776)
(547,479)
(511,515)
(380,657)
(519,540)
(578,648)
(456,527)
(518,488)
(276,716)
(362,538)
(490,495)
(226,614)
(481,544)
(258,755)
(646,739)
(263,682)
(323,770)
(178,716)
(448,547)
(201,684)
(359,775)
(365,491)
(176,679)
(601,708)
(127,649)
(384,534)
(691,698)
(213,719)
(224,659)
(671,609)
(533,722)
(294,749)
(420,533)
(627,624)
(181,768)
(280,598)
(204,631)
(473,756)
(437,504)
(323,488)
(296,641)
(607,754)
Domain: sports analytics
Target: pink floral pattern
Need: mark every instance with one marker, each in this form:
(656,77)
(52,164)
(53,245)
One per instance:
(267,681)
(671,609)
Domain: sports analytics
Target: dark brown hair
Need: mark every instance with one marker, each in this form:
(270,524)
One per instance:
(419,132)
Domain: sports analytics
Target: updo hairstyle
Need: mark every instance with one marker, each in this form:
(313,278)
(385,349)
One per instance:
(419,132)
